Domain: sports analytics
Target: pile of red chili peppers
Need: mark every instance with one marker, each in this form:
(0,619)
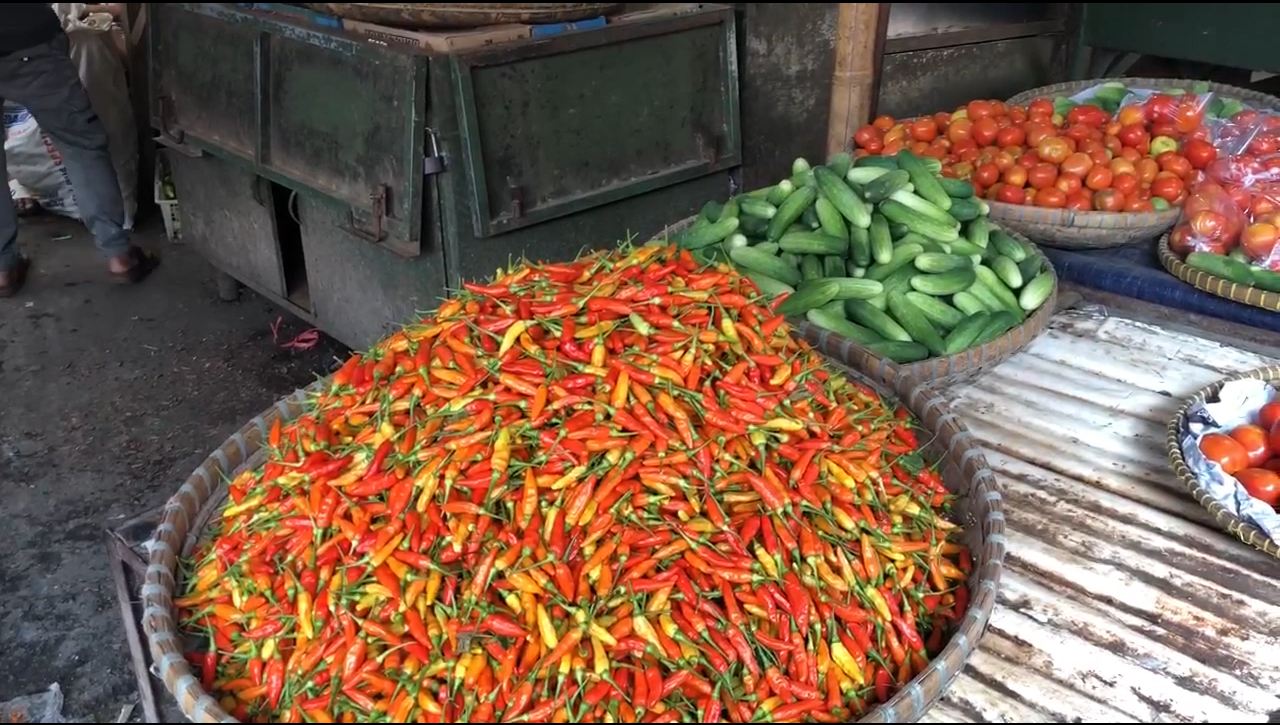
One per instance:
(614,490)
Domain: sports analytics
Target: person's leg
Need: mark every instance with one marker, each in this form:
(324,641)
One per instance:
(45,81)
(12,265)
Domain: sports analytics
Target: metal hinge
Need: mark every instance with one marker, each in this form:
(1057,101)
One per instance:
(377,214)
(433,162)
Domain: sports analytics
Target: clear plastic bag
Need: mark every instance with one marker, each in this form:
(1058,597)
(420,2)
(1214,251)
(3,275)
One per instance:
(1211,222)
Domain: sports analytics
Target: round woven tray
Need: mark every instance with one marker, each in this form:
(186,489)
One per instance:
(961,367)
(1248,533)
(1067,229)
(1206,282)
(964,469)
(463,15)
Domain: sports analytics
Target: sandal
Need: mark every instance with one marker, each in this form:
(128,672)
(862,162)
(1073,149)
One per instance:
(17,276)
(144,264)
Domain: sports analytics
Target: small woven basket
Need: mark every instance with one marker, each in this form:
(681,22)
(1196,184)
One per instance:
(1246,532)
(1205,282)
(964,469)
(1067,229)
(961,367)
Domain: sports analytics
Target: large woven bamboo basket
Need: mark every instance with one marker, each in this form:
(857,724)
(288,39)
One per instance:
(963,468)
(961,367)
(1067,229)
(1246,532)
(464,15)
(1205,282)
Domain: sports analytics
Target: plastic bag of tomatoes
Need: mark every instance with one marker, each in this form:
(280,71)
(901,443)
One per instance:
(1253,185)
(1211,222)
(1232,445)
(1249,133)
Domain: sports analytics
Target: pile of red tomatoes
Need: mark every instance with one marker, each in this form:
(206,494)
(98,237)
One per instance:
(1249,453)
(1142,159)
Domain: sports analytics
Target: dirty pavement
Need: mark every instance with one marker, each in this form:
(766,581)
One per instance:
(109,397)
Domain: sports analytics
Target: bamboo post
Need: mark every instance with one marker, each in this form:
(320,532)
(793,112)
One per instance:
(859,39)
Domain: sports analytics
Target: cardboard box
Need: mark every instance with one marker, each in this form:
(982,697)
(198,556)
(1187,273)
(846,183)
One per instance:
(442,41)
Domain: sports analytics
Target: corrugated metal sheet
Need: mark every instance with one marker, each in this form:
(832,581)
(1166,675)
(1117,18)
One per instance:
(1122,600)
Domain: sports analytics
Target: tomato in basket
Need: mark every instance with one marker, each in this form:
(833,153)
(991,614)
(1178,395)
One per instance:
(1262,484)
(1269,415)
(1254,440)
(1226,451)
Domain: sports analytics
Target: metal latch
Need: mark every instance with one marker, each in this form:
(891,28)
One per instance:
(377,215)
(432,163)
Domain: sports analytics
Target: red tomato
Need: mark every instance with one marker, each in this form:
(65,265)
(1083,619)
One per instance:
(1262,484)
(1051,198)
(960,130)
(1121,165)
(1138,204)
(1134,135)
(1042,175)
(1162,107)
(1029,159)
(884,123)
(1125,183)
(1269,415)
(1011,136)
(1225,451)
(1189,116)
(1099,178)
(1131,115)
(1052,149)
(1147,170)
(1258,239)
(1199,153)
(1078,164)
(1264,145)
(1208,225)
(1108,200)
(1079,200)
(985,131)
(873,146)
(1180,240)
(924,129)
(1068,182)
(986,174)
(1040,106)
(1038,131)
(979,109)
(1169,188)
(1080,132)
(1011,194)
(1254,440)
(1015,176)
(1174,163)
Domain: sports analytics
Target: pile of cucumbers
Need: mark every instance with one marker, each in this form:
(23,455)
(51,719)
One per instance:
(882,250)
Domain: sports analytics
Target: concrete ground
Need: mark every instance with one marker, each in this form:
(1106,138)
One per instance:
(109,397)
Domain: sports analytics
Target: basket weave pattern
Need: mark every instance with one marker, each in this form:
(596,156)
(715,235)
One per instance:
(1205,282)
(1246,532)
(964,469)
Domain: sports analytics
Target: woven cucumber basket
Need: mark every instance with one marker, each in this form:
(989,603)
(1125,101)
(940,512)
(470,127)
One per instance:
(963,468)
(1067,229)
(1246,532)
(1205,282)
(961,367)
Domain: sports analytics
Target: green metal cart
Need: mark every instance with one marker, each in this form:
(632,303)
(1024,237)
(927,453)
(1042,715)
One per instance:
(354,182)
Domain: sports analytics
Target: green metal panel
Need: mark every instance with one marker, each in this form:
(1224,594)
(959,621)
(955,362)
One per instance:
(311,109)
(557,126)
(1239,35)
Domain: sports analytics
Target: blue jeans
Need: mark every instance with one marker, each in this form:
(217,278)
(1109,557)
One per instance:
(45,81)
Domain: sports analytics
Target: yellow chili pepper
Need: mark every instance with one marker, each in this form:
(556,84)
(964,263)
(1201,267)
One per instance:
(645,630)
(546,628)
(305,625)
(784,424)
(766,561)
(599,658)
(511,335)
(845,661)
(877,601)
(249,503)
(386,551)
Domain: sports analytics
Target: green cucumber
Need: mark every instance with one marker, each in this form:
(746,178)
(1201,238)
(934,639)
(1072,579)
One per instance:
(757,207)
(956,188)
(705,236)
(780,192)
(838,325)
(899,281)
(834,307)
(896,211)
(1037,291)
(940,313)
(1264,278)
(711,211)
(829,220)
(937,263)
(851,269)
(854,288)
(983,295)
(737,239)
(1008,246)
(998,324)
(730,209)
(809,218)
(1222,267)
(965,248)
(800,165)
(964,210)
(880,239)
(879,162)
(969,304)
(923,207)
(789,258)
(834,188)
(761,193)
(903,254)
(900,352)
(1029,267)
(769,286)
(812,243)
(966,333)
(863,175)
(840,163)
(811,294)
(947,283)
(882,187)
(924,180)
(914,322)
(767,247)
(753,226)
(810,267)
(833,266)
(1008,300)
(867,314)
(978,232)
(790,210)
(1008,271)
(898,231)
(860,243)
(753,259)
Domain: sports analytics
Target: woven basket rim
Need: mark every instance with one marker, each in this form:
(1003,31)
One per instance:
(982,511)
(1153,222)
(1243,94)
(1216,286)
(1245,532)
